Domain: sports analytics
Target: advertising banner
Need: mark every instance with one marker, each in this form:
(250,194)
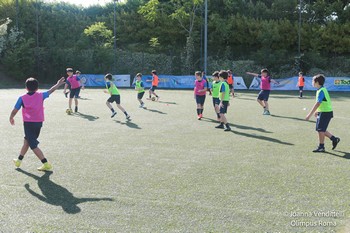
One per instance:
(332,84)
(97,80)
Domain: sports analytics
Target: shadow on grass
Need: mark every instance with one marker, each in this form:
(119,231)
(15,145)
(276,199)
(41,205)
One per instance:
(154,110)
(269,139)
(292,118)
(244,127)
(85,116)
(164,102)
(57,195)
(346,155)
(129,124)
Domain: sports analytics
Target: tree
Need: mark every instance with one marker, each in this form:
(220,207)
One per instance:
(100,34)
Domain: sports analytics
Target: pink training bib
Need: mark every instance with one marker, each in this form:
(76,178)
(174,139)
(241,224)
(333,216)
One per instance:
(33,107)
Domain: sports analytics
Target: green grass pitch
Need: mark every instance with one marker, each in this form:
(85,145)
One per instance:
(165,171)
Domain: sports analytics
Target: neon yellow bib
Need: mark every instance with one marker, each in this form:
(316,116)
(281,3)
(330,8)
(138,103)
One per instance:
(216,89)
(226,93)
(326,105)
(138,85)
(113,90)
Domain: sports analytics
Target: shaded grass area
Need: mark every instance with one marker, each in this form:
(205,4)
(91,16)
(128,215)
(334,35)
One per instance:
(165,171)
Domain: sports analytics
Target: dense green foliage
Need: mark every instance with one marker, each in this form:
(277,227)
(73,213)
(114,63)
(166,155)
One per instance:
(167,35)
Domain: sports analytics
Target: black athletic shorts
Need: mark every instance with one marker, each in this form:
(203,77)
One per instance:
(32,132)
(322,122)
(115,98)
(74,93)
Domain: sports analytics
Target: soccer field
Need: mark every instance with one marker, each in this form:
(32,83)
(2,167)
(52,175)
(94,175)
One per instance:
(166,171)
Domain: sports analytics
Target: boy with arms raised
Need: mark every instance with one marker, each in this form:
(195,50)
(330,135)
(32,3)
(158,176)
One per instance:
(32,104)
(265,85)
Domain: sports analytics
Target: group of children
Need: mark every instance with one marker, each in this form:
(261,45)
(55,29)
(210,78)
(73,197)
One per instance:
(32,104)
(220,92)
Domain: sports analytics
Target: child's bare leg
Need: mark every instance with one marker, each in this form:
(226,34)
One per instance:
(328,134)
(109,105)
(321,136)
(261,103)
(121,108)
(266,105)
(25,147)
(76,101)
(38,153)
(223,118)
(70,102)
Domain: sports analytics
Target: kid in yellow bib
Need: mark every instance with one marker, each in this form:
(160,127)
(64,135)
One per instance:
(115,96)
(224,98)
(324,112)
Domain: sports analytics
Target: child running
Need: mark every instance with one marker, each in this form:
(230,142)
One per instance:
(140,88)
(224,101)
(265,85)
(155,81)
(73,83)
(200,90)
(301,84)
(215,90)
(324,112)
(32,104)
(115,96)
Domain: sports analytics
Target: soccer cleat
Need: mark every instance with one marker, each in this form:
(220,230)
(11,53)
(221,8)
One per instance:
(220,126)
(128,117)
(157,98)
(113,114)
(266,112)
(17,162)
(76,109)
(142,105)
(45,167)
(319,149)
(200,116)
(335,143)
(227,129)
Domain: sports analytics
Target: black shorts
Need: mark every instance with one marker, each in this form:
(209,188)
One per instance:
(74,93)
(113,98)
(32,132)
(153,88)
(322,122)
(223,108)
(140,95)
(200,99)
(216,101)
(230,86)
(264,95)
(301,88)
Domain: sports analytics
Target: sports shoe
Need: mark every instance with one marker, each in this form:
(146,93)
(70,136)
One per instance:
(227,129)
(157,98)
(128,117)
(266,112)
(45,167)
(142,105)
(319,149)
(76,109)
(113,114)
(335,143)
(200,116)
(220,126)
(17,162)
